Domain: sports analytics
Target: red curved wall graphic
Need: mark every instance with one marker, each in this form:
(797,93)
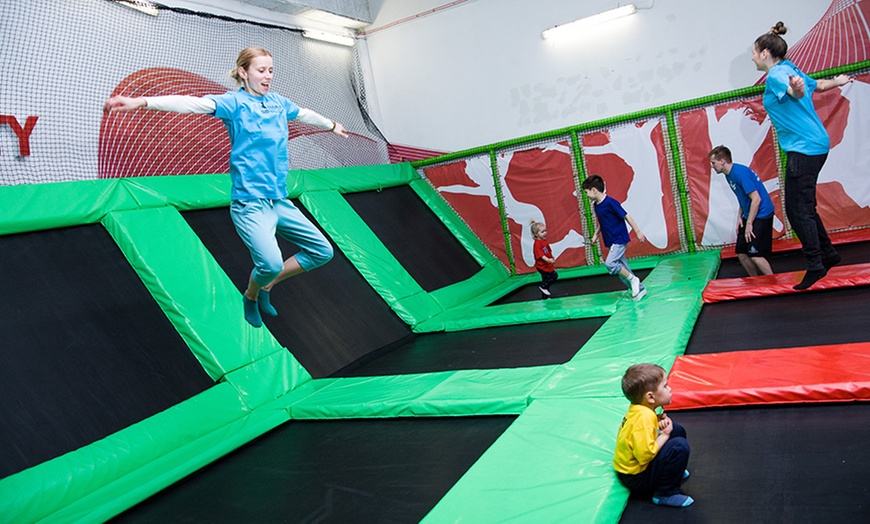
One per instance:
(149,143)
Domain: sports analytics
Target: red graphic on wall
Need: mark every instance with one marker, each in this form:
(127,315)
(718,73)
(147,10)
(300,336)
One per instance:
(539,184)
(843,191)
(149,143)
(742,127)
(841,37)
(21,132)
(632,160)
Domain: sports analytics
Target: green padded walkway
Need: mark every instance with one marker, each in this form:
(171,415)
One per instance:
(553,462)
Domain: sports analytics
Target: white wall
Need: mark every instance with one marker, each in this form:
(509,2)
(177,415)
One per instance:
(480,73)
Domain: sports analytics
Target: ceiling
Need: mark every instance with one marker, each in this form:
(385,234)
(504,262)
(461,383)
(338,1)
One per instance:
(349,14)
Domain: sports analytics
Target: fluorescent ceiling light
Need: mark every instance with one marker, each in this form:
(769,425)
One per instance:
(328,37)
(140,5)
(577,26)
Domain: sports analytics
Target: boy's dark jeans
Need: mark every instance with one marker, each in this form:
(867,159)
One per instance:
(663,476)
(801,176)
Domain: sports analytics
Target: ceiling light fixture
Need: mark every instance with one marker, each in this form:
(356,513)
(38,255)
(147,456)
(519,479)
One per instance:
(328,37)
(577,26)
(140,5)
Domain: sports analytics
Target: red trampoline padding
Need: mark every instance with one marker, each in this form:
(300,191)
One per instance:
(781,283)
(833,373)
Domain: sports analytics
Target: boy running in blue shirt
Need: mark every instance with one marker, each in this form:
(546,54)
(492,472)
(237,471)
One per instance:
(611,223)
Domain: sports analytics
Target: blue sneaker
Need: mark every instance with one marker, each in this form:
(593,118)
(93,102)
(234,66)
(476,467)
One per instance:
(265,301)
(252,314)
(686,475)
(674,501)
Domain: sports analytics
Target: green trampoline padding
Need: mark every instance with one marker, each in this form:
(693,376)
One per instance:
(448,393)
(349,179)
(194,292)
(455,225)
(126,467)
(366,252)
(553,463)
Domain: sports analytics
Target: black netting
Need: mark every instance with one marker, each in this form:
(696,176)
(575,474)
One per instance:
(64,59)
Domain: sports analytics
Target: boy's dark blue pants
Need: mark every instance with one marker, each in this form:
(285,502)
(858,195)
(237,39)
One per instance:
(664,474)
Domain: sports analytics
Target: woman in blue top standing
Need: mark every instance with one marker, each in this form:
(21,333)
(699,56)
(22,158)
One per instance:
(256,121)
(788,100)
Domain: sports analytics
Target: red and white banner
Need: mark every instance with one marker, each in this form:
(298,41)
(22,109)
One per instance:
(633,161)
(742,127)
(843,189)
(539,184)
(844,184)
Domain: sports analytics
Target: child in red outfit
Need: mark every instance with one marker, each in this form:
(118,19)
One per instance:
(544,260)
